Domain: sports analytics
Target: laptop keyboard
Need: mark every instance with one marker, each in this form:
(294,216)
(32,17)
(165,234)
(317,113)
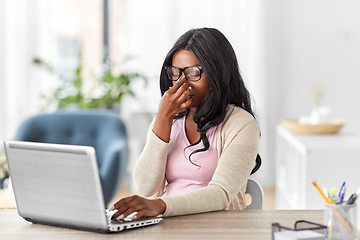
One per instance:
(109,214)
(118,225)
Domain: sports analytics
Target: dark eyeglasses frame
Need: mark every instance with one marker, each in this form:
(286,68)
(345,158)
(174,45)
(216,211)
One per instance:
(182,70)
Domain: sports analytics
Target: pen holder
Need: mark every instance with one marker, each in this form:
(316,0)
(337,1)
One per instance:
(341,221)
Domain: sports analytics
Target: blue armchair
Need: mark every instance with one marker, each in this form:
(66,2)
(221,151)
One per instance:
(103,130)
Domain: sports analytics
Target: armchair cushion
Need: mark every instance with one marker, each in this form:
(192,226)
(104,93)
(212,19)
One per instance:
(101,129)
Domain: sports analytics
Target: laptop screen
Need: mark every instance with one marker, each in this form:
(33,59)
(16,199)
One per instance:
(56,184)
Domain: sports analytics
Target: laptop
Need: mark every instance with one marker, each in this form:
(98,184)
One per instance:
(59,185)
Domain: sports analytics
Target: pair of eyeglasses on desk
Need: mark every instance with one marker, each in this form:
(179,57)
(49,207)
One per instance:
(300,225)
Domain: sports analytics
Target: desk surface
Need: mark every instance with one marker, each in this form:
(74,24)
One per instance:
(250,224)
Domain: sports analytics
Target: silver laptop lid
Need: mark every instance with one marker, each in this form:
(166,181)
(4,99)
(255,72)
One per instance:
(57,184)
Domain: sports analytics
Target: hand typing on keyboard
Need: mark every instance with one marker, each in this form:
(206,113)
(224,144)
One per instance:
(135,207)
(130,216)
(112,216)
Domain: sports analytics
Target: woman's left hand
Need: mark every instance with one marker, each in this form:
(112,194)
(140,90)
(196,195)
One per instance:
(143,206)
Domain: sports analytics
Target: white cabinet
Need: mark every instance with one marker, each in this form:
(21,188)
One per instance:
(300,159)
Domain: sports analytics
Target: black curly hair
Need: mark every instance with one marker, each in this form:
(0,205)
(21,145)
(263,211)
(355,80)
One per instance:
(219,63)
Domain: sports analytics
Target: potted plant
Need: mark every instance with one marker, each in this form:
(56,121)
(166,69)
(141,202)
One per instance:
(109,87)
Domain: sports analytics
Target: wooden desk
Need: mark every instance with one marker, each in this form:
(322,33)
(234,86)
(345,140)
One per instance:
(251,224)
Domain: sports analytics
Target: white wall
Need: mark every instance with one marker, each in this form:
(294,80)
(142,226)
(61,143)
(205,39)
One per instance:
(320,43)
(25,31)
(307,42)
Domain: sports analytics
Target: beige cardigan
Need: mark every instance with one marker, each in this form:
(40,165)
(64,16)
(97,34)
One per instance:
(237,147)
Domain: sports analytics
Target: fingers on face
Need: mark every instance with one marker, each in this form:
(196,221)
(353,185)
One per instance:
(179,87)
(184,97)
(176,86)
(181,98)
(186,103)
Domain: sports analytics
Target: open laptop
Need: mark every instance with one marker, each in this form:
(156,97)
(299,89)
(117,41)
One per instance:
(59,185)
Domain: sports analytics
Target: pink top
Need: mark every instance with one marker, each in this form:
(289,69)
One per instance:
(183,176)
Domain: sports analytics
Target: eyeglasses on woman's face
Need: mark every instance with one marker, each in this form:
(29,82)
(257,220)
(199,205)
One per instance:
(192,73)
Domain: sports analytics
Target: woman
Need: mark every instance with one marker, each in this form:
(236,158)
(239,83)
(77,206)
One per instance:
(202,145)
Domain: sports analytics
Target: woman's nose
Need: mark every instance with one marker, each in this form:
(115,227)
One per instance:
(183,77)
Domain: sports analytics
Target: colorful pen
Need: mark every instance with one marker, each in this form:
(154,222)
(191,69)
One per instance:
(342,195)
(326,192)
(333,196)
(321,192)
(352,199)
(342,192)
(342,186)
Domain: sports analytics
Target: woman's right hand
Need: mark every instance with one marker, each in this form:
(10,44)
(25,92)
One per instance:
(174,101)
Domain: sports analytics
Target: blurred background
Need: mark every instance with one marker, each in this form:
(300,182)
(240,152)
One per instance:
(286,50)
